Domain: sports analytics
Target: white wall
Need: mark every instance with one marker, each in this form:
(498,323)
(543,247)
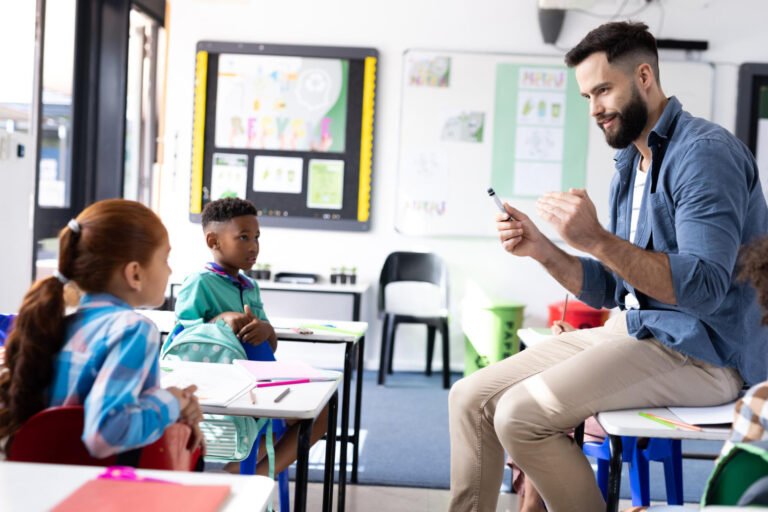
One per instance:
(734,30)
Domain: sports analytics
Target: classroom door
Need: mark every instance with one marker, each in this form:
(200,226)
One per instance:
(17,150)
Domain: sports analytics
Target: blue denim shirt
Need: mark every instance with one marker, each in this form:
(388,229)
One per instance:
(699,207)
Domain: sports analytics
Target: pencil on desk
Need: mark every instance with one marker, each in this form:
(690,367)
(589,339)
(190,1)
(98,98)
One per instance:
(565,307)
(282,395)
(657,420)
(675,422)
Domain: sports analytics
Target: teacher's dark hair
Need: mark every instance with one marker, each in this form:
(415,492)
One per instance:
(625,44)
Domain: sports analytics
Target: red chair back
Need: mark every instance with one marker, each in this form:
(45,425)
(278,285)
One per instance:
(54,436)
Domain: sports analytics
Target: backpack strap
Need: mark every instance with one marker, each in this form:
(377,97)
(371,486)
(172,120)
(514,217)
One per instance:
(269,444)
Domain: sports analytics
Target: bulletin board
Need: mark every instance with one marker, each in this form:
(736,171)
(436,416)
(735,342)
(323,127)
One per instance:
(288,127)
(516,123)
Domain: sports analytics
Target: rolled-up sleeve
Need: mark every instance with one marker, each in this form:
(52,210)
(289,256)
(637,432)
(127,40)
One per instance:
(711,199)
(598,288)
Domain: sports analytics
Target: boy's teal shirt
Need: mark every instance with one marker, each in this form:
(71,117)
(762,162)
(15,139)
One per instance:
(206,294)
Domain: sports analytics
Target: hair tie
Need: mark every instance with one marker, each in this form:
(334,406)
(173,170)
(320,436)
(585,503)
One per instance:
(74,226)
(58,275)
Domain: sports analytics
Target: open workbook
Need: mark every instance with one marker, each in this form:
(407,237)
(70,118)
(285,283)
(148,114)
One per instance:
(222,384)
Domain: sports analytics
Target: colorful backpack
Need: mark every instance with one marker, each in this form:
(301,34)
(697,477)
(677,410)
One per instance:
(228,438)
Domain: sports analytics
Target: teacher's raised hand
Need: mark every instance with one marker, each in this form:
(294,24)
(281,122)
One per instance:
(573,216)
(519,235)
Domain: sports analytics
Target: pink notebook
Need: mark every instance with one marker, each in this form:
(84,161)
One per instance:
(128,496)
(282,370)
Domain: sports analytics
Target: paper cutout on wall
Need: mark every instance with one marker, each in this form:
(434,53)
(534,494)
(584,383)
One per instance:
(229,175)
(325,184)
(277,174)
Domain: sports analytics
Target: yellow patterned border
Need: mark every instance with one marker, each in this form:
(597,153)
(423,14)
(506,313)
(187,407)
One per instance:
(198,132)
(366,141)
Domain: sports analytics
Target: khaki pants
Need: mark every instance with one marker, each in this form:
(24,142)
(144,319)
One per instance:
(522,405)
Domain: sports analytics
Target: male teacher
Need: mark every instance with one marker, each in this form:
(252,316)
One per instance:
(686,195)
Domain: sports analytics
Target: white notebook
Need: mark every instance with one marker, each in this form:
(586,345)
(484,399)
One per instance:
(217,384)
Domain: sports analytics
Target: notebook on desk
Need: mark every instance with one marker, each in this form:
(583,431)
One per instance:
(217,384)
(283,370)
(134,496)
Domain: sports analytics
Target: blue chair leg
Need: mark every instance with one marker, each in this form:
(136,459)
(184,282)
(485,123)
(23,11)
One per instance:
(602,476)
(673,473)
(248,465)
(638,478)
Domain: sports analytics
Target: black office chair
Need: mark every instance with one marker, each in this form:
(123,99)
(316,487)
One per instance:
(422,267)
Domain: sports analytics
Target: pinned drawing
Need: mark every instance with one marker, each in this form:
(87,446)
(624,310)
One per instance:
(281,103)
(229,175)
(464,127)
(325,184)
(431,72)
(277,174)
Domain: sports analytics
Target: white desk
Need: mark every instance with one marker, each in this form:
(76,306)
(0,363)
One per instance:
(38,487)
(166,320)
(352,334)
(630,423)
(304,403)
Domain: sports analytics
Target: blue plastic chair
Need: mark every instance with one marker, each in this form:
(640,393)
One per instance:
(6,324)
(248,466)
(668,451)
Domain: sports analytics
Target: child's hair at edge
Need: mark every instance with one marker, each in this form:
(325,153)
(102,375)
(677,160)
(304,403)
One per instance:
(112,233)
(226,209)
(753,267)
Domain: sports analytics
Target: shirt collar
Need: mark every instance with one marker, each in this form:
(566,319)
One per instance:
(241,282)
(625,157)
(100,300)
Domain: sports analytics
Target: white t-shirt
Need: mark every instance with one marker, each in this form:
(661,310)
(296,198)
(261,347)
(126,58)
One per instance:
(637,201)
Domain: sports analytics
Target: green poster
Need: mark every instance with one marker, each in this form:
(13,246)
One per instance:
(325,184)
(541,124)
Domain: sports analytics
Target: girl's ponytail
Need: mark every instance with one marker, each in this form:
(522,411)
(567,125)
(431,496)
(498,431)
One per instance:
(32,345)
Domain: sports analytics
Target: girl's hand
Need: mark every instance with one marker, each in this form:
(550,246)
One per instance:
(190,412)
(559,327)
(196,439)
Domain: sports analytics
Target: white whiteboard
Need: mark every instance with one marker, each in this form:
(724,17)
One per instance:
(441,186)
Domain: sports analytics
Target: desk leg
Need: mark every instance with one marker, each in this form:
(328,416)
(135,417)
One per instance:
(302,465)
(330,453)
(356,307)
(345,426)
(358,405)
(614,475)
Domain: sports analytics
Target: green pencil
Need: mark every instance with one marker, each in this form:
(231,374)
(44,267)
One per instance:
(657,420)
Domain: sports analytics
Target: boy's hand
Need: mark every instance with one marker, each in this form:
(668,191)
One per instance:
(256,331)
(234,319)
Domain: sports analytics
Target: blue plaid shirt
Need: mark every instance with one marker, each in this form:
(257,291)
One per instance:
(109,364)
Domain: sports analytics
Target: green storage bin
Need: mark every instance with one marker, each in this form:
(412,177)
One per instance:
(490,334)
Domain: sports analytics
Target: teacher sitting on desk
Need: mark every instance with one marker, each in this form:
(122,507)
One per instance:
(692,335)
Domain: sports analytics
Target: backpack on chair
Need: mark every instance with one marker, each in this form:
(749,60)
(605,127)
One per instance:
(228,438)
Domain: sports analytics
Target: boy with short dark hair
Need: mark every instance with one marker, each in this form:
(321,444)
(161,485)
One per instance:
(220,290)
